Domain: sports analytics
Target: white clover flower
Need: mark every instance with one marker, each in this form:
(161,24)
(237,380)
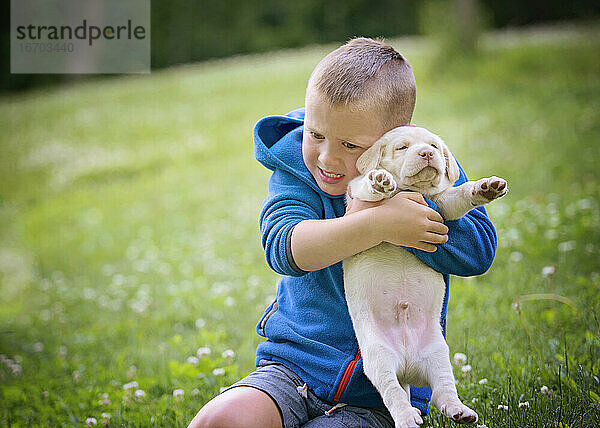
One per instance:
(544,389)
(195,391)
(62,352)
(139,394)
(91,422)
(482,426)
(15,369)
(105,401)
(178,394)
(200,323)
(38,347)
(460,359)
(524,404)
(203,352)
(548,270)
(228,354)
(131,372)
(130,385)
(516,257)
(466,368)
(483,381)
(566,246)
(105,418)
(229,301)
(219,371)
(475,400)
(76,376)
(502,407)
(193,360)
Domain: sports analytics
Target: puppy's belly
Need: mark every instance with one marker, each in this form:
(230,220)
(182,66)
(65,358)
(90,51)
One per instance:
(396,299)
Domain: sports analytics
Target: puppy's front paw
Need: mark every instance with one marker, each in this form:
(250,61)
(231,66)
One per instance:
(488,189)
(381,181)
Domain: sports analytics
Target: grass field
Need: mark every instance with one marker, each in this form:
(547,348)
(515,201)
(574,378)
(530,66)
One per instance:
(129,246)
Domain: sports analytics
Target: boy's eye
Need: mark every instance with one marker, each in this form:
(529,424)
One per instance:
(349,145)
(316,135)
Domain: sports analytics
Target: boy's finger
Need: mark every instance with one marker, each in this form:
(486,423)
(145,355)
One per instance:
(439,228)
(414,196)
(435,216)
(430,248)
(434,238)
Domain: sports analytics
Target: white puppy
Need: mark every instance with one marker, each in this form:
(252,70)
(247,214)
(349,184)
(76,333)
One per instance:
(395,300)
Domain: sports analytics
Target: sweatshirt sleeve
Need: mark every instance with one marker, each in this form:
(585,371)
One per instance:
(471,245)
(289,202)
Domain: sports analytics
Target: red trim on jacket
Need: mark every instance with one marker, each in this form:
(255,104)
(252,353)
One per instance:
(346,378)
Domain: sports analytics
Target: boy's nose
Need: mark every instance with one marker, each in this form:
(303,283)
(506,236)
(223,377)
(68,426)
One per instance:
(426,154)
(326,153)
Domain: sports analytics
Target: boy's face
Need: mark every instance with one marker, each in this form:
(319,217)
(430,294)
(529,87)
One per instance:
(334,138)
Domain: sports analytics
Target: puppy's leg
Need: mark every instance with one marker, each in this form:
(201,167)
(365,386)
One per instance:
(380,366)
(455,202)
(438,372)
(376,185)
(488,189)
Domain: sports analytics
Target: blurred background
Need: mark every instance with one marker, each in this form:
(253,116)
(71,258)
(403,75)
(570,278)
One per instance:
(131,270)
(186,31)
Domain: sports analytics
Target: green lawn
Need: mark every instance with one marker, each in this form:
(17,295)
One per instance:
(129,235)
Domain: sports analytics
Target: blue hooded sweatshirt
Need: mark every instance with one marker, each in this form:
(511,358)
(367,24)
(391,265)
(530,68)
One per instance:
(308,327)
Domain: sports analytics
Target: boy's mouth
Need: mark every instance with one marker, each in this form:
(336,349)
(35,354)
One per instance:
(330,177)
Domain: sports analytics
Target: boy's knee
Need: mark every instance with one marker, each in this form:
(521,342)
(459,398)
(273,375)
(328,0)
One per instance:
(222,418)
(214,418)
(239,407)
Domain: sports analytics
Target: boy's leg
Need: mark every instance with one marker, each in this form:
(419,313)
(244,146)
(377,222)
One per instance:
(354,417)
(239,407)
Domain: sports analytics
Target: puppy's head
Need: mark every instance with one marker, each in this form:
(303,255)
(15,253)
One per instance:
(418,159)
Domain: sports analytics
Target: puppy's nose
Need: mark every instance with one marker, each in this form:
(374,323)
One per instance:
(426,154)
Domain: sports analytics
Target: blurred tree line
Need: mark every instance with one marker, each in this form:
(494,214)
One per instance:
(184,31)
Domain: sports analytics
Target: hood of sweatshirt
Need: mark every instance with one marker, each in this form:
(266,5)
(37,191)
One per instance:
(277,142)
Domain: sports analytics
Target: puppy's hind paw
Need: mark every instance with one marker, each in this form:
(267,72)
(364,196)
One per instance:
(459,413)
(382,181)
(488,189)
(410,418)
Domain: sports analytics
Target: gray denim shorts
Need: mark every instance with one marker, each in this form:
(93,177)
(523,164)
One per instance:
(300,407)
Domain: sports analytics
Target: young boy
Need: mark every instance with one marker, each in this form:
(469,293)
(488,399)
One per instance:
(310,363)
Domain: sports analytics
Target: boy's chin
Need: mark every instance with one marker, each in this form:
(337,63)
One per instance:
(337,190)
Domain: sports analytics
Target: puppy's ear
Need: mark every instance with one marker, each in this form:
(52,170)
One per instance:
(452,171)
(370,159)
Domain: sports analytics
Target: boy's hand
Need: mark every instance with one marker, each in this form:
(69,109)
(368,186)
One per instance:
(405,220)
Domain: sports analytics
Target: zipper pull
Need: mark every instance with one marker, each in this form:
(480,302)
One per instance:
(334,408)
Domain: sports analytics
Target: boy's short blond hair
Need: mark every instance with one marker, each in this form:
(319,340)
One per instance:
(368,74)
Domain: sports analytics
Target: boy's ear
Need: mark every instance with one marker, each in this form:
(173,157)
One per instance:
(452,170)
(372,157)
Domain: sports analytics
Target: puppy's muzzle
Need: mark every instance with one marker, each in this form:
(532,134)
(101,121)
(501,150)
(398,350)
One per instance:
(426,154)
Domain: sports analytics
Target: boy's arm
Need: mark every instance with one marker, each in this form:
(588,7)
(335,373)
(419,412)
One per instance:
(291,222)
(471,245)
(316,244)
